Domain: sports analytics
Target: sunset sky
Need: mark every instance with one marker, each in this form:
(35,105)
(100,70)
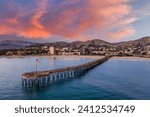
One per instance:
(70,20)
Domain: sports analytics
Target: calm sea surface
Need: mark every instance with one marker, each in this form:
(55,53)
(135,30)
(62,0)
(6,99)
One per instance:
(114,79)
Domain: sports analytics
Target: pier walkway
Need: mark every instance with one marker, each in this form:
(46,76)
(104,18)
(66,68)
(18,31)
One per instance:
(42,78)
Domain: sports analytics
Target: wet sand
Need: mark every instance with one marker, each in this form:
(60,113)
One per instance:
(81,56)
(130,58)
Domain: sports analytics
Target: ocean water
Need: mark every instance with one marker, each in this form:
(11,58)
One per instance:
(116,79)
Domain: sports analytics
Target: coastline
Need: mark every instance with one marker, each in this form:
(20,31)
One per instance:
(129,58)
(81,56)
(68,56)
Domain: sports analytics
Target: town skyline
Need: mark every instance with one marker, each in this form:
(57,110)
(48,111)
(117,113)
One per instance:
(140,48)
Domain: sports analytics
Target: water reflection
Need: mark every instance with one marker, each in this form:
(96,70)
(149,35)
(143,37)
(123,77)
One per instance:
(115,79)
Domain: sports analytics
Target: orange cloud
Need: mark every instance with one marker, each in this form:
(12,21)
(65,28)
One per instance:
(71,19)
(39,13)
(121,34)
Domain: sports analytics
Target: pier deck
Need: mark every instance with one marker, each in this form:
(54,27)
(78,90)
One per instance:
(42,78)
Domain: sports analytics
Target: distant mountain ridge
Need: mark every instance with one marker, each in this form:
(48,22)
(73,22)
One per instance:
(11,44)
(145,41)
(80,44)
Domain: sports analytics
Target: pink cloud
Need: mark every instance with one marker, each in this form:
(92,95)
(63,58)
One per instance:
(121,34)
(71,19)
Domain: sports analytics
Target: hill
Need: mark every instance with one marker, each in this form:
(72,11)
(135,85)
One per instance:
(142,42)
(96,43)
(13,44)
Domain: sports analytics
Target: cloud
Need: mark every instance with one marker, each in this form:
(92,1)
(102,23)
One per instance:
(68,19)
(122,34)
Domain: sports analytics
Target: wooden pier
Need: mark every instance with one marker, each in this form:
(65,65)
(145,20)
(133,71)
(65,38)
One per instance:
(42,78)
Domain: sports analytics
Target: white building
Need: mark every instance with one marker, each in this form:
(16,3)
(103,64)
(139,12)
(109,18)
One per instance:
(65,49)
(148,52)
(44,47)
(71,53)
(51,50)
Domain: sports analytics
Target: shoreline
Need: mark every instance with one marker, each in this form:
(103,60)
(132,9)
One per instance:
(129,58)
(81,56)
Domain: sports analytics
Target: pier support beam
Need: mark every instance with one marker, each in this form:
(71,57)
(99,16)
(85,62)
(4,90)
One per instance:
(33,79)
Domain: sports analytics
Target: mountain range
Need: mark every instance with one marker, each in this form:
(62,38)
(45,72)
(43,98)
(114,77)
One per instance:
(13,44)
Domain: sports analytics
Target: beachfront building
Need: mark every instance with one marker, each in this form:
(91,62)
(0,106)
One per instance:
(148,52)
(98,52)
(51,50)
(71,53)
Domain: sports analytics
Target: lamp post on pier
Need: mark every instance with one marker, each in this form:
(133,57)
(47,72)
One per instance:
(37,61)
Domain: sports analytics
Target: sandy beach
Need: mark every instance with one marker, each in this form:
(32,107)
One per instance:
(130,58)
(80,56)
(98,57)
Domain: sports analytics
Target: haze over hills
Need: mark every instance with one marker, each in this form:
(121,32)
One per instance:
(145,41)
(12,44)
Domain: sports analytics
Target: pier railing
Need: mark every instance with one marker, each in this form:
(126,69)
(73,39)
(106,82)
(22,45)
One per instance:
(42,78)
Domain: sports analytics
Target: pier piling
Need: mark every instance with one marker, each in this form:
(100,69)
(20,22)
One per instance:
(42,78)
